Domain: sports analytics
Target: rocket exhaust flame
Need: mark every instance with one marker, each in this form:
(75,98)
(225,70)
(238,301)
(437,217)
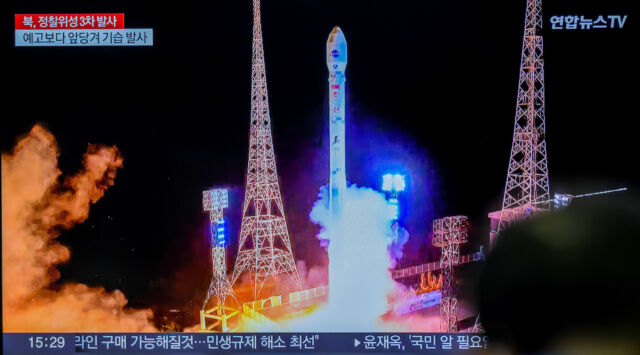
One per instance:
(36,206)
(429,283)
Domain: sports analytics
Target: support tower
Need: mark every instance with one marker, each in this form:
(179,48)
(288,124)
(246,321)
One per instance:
(527,188)
(264,247)
(448,234)
(214,201)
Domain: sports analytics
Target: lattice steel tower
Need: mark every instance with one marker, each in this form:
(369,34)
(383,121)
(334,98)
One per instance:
(214,201)
(448,234)
(263,218)
(527,188)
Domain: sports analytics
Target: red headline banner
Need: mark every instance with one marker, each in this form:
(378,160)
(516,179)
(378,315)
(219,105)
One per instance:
(69,21)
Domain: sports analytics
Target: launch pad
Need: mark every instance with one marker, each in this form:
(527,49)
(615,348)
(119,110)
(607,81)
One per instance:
(272,310)
(265,247)
(218,318)
(264,222)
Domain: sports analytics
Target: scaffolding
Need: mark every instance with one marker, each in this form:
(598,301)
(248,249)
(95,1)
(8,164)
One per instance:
(215,318)
(448,234)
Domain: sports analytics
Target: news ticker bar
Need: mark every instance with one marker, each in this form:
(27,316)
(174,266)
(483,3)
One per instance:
(242,342)
(85,38)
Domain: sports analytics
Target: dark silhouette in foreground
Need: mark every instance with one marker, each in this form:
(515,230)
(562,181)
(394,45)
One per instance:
(567,281)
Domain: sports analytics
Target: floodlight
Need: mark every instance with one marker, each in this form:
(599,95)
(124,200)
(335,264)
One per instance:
(398,182)
(220,234)
(215,199)
(387,182)
(561,200)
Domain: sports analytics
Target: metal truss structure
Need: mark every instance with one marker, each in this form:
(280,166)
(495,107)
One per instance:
(434,266)
(448,234)
(527,187)
(214,201)
(263,218)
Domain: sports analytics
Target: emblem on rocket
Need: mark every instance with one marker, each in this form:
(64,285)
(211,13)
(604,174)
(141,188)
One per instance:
(337,63)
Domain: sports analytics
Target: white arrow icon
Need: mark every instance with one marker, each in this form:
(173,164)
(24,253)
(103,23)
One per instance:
(356,343)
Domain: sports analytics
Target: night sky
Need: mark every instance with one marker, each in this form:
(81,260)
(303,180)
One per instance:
(431,91)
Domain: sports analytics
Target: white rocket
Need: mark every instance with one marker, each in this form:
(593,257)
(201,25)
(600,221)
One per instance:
(337,63)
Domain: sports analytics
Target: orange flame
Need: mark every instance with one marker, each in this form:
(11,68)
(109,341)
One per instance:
(429,283)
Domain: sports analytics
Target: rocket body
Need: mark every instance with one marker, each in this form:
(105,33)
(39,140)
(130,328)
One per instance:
(337,63)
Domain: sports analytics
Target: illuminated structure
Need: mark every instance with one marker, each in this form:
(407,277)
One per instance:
(561,200)
(214,201)
(393,184)
(564,200)
(337,63)
(433,266)
(263,218)
(527,189)
(429,283)
(448,234)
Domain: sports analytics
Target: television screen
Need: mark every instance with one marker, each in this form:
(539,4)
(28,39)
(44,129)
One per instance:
(300,176)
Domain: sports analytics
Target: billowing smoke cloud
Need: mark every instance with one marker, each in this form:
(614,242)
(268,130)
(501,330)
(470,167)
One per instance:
(361,253)
(36,206)
(359,277)
(397,246)
(374,147)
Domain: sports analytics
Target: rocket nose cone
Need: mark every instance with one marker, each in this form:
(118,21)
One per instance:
(336,50)
(336,35)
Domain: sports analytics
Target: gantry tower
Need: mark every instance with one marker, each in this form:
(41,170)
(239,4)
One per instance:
(527,187)
(264,247)
(448,234)
(215,318)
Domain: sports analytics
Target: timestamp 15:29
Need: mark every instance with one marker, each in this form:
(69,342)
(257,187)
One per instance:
(50,342)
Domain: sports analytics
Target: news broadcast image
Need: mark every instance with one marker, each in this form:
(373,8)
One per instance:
(262,176)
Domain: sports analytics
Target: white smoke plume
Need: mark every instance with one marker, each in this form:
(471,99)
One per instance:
(396,247)
(359,277)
